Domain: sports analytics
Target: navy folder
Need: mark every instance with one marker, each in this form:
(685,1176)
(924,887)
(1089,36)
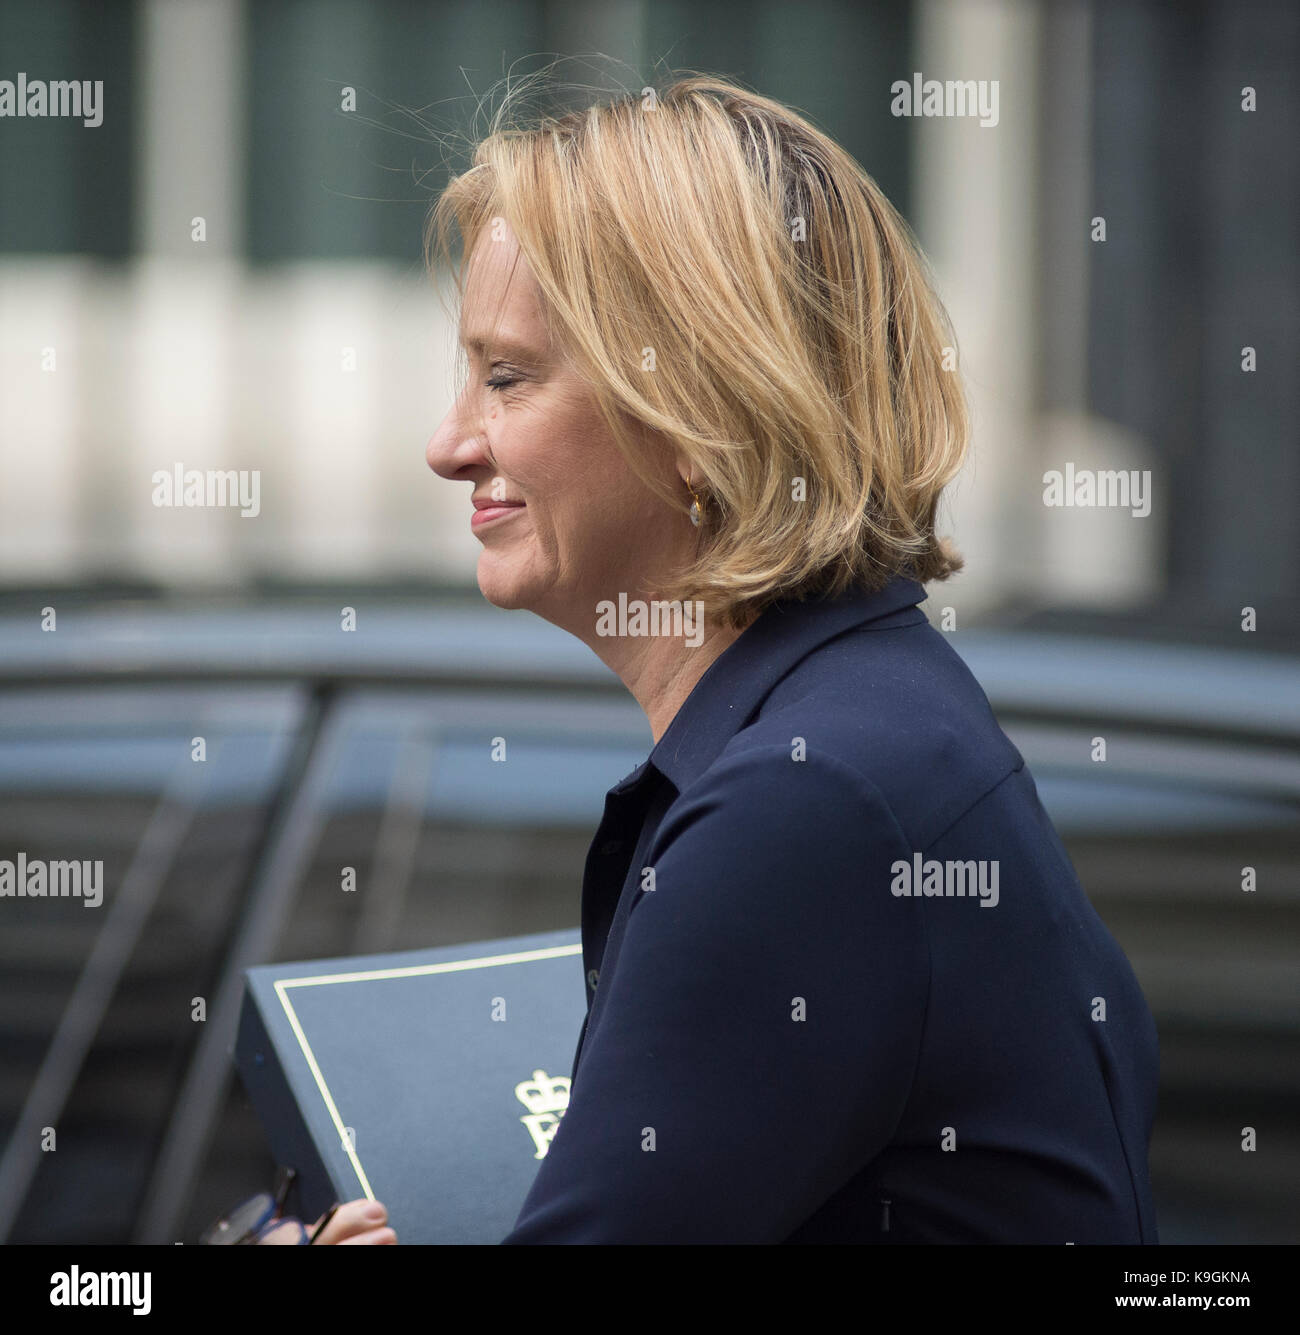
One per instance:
(432,1080)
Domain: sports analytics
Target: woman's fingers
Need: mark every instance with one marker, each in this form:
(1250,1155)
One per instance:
(361,1222)
(354,1221)
(383,1237)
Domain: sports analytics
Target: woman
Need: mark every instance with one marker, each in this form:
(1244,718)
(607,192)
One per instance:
(843,984)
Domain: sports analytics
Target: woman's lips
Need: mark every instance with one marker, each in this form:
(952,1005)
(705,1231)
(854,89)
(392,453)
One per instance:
(486,514)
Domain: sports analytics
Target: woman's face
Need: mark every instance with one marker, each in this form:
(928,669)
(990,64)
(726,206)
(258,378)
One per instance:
(574,525)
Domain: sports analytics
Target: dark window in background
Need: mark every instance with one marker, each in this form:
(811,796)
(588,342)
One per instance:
(324,183)
(68,187)
(834,62)
(1202,208)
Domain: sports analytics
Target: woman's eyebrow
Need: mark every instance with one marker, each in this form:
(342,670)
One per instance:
(508,346)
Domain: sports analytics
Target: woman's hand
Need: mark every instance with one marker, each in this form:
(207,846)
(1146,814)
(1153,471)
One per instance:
(360,1221)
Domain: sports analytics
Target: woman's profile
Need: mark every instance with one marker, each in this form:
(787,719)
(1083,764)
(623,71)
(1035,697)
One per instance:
(843,983)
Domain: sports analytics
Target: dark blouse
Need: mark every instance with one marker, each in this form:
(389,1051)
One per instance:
(843,983)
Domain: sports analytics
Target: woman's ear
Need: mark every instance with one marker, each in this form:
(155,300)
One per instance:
(686,470)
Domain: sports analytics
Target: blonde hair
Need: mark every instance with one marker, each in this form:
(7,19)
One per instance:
(794,329)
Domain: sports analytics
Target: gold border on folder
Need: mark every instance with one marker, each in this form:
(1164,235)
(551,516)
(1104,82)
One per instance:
(282,986)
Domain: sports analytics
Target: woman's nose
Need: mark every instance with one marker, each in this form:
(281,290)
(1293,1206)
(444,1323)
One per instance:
(455,445)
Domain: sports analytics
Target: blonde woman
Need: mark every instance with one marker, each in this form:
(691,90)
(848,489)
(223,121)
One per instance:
(841,973)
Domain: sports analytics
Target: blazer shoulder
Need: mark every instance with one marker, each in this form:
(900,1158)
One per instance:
(760,784)
(900,709)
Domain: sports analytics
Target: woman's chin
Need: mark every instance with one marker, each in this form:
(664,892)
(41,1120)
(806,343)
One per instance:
(503,588)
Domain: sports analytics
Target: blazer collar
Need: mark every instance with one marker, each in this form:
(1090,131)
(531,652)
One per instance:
(740,678)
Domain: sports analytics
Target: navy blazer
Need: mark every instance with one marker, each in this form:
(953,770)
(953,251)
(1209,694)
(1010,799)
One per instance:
(843,983)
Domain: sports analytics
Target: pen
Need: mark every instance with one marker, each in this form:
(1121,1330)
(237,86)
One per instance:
(329,1214)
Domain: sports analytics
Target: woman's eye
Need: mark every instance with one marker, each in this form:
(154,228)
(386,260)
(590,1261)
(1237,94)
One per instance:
(501,381)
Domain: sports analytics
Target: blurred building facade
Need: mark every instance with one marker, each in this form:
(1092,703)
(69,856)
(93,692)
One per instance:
(227,274)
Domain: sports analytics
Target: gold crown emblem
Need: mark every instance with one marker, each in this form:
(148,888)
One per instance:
(544,1094)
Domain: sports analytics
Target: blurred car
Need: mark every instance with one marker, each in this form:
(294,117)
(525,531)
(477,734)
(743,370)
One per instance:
(261,784)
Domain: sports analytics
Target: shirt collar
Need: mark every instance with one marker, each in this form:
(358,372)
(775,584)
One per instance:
(740,678)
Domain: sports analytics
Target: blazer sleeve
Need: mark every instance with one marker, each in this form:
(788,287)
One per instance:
(762,1024)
